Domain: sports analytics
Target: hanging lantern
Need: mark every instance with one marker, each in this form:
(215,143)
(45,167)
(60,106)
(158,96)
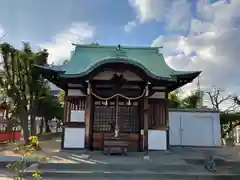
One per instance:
(106,103)
(129,103)
(89,88)
(146,94)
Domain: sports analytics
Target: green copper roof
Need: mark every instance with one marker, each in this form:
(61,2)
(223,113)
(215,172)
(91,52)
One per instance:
(86,58)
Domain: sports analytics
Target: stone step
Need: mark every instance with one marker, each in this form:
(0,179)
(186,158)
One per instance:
(132,175)
(153,167)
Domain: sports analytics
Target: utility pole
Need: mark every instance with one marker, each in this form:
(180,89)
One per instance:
(199,93)
(198,83)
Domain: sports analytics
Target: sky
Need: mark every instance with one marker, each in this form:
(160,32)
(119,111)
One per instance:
(195,34)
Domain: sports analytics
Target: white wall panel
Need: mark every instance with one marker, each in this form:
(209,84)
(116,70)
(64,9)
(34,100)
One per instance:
(189,128)
(157,140)
(74,137)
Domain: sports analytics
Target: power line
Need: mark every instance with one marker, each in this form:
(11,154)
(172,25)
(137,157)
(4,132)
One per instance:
(1,38)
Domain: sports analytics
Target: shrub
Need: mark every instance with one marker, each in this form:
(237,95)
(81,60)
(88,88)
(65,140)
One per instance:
(29,149)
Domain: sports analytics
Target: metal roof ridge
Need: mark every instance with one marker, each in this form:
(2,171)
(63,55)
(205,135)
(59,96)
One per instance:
(116,46)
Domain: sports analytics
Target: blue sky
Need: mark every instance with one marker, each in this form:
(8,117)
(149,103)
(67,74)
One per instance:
(38,21)
(195,34)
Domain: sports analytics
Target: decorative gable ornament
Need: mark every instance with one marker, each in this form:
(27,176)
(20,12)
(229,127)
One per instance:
(118,52)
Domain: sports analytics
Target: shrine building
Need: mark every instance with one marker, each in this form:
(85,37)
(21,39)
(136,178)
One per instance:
(117,94)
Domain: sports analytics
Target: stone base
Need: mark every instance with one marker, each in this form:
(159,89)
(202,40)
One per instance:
(146,157)
(229,142)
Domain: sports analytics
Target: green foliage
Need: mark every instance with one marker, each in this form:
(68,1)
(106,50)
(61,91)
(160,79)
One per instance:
(225,118)
(25,87)
(34,142)
(175,101)
(50,107)
(229,121)
(37,175)
(61,96)
(21,83)
(19,167)
(190,101)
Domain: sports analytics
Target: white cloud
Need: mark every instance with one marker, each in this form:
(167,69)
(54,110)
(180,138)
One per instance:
(176,14)
(1,39)
(211,46)
(204,10)
(1,32)
(148,10)
(60,47)
(130,25)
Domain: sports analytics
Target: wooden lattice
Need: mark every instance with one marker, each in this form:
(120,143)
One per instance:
(105,116)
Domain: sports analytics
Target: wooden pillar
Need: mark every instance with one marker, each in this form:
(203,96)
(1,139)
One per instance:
(167,119)
(65,118)
(88,122)
(145,121)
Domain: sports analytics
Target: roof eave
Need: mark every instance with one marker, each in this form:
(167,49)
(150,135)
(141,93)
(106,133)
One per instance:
(48,68)
(119,60)
(188,75)
(183,79)
(49,72)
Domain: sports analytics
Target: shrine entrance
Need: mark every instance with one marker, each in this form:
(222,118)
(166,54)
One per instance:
(116,90)
(120,114)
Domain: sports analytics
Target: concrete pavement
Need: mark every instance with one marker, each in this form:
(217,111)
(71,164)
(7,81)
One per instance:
(161,165)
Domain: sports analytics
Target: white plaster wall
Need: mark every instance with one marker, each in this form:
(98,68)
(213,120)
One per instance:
(74,137)
(157,140)
(194,128)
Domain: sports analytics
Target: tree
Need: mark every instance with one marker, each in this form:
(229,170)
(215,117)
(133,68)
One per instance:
(191,101)
(20,83)
(52,109)
(175,100)
(228,117)
(217,99)
(61,96)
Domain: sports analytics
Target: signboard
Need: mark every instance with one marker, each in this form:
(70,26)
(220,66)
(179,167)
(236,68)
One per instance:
(77,116)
